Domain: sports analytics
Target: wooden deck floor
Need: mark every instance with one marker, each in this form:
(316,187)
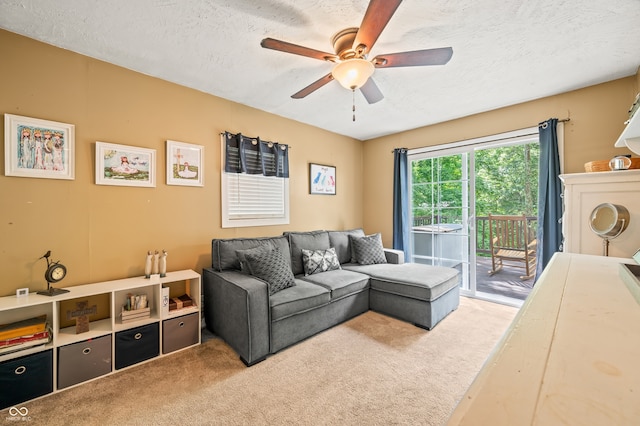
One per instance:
(507,282)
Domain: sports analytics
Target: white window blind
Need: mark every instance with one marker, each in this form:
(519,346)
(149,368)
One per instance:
(252,199)
(255,196)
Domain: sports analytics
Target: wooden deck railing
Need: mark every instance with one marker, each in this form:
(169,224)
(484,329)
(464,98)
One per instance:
(482,229)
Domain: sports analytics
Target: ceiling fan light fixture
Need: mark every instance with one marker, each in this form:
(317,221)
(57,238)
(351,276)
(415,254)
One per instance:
(353,73)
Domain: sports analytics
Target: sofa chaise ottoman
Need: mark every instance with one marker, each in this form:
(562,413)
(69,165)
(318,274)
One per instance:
(329,280)
(416,293)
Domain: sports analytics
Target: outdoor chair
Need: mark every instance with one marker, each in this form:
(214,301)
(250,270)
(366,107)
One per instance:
(512,241)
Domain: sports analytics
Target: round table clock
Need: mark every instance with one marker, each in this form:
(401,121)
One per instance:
(55,272)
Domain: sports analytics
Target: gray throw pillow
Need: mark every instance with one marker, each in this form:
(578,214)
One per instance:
(271,266)
(368,250)
(340,241)
(242,256)
(316,261)
(314,240)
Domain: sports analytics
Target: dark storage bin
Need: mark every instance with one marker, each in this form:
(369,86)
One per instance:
(180,332)
(25,378)
(82,361)
(137,345)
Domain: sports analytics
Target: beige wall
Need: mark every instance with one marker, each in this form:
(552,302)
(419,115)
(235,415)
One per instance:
(103,232)
(597,115)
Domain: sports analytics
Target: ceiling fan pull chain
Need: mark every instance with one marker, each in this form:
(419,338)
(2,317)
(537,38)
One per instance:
(353,92)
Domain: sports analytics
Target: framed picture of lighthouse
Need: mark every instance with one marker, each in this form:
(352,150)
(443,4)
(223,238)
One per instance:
(38,148)
(184,164)
(322,179)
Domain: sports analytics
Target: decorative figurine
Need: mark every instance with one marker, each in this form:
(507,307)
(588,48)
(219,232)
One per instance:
(154,269)
(147,265)
(163,264)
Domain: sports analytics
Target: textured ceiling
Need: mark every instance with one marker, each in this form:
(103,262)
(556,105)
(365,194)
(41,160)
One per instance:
(505,52)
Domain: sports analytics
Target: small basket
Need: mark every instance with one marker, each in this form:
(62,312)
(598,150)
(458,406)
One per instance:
(603,165)
(135,314)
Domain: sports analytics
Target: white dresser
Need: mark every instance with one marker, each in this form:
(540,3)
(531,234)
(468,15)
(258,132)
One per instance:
(582,193)
(570,357)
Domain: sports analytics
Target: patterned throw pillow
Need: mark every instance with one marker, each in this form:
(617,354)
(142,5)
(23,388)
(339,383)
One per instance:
(242,256)
(368,250)
(272,267)
(316,261)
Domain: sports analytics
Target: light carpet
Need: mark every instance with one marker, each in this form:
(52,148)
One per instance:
(370,370)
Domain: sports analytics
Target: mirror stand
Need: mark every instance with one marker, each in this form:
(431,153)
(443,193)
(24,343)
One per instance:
(608,221)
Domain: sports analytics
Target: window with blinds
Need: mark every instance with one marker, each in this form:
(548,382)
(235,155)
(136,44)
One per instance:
(255,183)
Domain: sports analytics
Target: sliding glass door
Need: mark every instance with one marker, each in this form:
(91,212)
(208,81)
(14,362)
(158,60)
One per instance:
(441,214)
(453,191)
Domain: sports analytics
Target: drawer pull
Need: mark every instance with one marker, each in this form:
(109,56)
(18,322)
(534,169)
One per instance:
(138,336)
(86,351)
(181,324)
(20,369)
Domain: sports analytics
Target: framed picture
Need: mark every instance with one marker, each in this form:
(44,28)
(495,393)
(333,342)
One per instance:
(125,165)
(185,164)
(322,179)
(38,148)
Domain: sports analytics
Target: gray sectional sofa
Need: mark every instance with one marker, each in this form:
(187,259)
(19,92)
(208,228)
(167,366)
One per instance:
(262,295)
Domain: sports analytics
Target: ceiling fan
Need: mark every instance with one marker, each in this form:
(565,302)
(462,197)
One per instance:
(352,45)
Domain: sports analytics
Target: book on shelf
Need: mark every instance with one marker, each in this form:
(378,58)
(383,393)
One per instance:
(24,342)
(135,302)
(165,300)
(25,327)
(23,346)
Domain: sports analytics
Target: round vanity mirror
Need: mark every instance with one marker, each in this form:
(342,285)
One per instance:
(608,221)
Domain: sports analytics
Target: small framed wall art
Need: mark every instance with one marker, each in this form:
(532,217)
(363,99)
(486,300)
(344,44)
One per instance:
(124,165)
(38,148)
(185,164)
(322,179)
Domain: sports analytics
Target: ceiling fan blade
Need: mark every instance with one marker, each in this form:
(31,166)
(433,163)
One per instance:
(313,87)
(378,14)
(414,58)
(371,92)
(283,46)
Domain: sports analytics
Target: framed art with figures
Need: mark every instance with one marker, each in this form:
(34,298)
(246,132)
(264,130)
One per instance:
(184,164)
(38,148)
(123,165)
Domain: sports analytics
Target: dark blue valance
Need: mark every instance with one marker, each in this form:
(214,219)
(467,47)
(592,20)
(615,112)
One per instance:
(255,156)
